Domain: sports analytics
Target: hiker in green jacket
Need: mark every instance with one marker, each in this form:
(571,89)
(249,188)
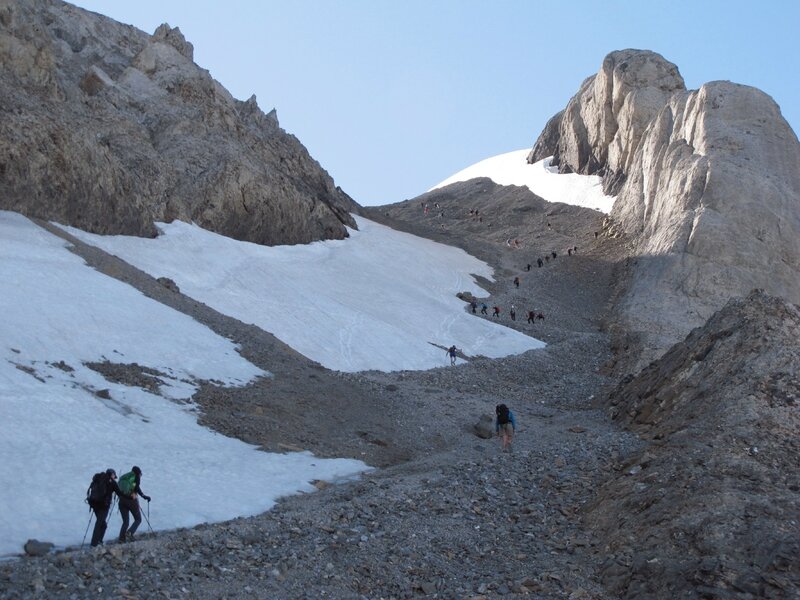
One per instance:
(131,485)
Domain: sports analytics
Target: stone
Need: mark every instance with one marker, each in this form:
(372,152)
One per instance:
(484,427)
(169,284)
(37,548)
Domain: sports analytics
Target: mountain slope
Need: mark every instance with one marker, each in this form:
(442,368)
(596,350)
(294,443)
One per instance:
(712,506)
(110,129)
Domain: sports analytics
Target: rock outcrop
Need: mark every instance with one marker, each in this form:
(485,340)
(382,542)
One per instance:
(708,192)
(712,505)
(598,131)
(110,129)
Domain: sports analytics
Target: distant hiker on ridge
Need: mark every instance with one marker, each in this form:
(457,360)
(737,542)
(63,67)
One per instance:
(513,313)
(531,316)
(131,486)
(539,262)
(483,309)
(473,305)
(516,281)
(496,312)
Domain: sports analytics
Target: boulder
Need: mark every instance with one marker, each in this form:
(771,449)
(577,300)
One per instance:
(484,427)
(37,548)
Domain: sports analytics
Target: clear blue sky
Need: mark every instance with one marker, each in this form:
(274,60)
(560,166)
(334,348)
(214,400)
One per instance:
(393,96)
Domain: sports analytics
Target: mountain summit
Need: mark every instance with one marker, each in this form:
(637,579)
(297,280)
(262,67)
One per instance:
(707,184)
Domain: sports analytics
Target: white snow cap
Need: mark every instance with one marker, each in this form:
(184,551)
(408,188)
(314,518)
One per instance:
(512,168)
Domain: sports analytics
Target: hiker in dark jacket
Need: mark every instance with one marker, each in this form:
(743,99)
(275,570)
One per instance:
(130,504)
(102,506)
(505,425)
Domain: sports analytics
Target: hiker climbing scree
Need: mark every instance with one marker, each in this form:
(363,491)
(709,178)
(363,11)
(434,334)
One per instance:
(131,486)
(505,426)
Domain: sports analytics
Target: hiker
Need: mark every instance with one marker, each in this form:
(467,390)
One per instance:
(516,281)
(496,312)
(540,316)
(569,251)
(528,268)
(483,309)
(575,249)
(595,235)
(452,352)
(513,313)
(540,262)
(504,426)
(473,305)
(131,486)
(554,254)
(531,316)
(99,496)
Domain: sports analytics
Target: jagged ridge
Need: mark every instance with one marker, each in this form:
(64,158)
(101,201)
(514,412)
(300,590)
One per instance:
(110,129)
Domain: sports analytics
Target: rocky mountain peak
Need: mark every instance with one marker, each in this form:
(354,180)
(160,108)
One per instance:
(708,191)
(110,129)
(174,37)
(602,124)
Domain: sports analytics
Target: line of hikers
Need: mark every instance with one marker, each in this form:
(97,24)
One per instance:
(532,315)
(101,495)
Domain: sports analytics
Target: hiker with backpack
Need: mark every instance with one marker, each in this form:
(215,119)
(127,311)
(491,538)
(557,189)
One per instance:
(452,352)
(131,486)
(99,496)
(505,425)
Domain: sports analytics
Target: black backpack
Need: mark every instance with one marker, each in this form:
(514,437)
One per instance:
(502,414)
(98,490)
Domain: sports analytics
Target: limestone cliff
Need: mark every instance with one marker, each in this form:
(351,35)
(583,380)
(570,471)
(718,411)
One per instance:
(708,191)
(597,133)
(109,129)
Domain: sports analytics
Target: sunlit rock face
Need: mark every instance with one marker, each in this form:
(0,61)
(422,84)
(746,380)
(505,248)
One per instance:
(109,129)
(708,191)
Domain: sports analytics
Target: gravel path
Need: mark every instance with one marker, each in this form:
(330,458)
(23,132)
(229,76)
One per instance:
(447,515)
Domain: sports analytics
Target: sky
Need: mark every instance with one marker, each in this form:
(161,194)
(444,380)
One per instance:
(393,97)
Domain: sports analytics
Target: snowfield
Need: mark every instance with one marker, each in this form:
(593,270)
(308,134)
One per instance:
(543,180)
(382,299)
(378,300)
(56,431)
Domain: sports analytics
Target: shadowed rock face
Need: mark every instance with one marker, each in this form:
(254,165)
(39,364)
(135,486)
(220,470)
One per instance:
(708,190)
(713,502)
(110,129)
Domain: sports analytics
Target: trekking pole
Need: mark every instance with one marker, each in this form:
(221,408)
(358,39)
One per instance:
(147,517)
(110,510)
(83,541)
